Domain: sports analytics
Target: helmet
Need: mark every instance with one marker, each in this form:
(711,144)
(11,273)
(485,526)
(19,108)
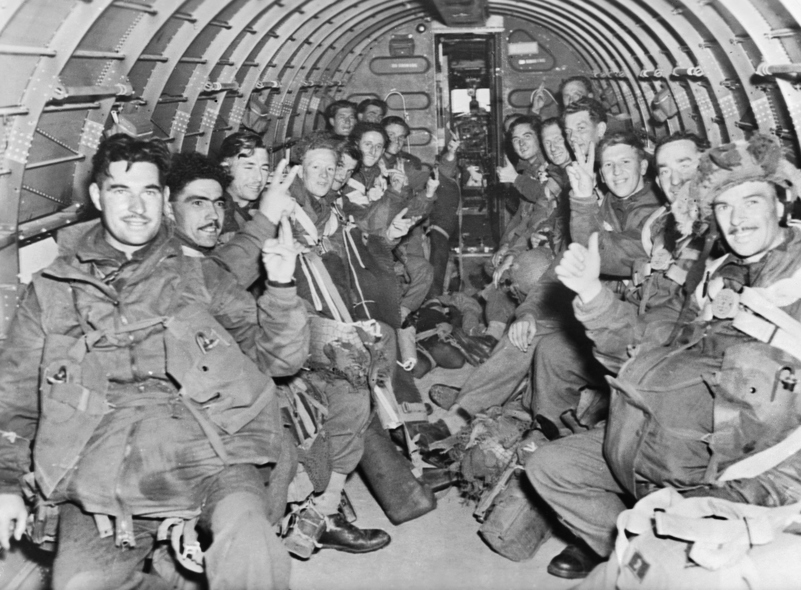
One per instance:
(528,267)
(731,164)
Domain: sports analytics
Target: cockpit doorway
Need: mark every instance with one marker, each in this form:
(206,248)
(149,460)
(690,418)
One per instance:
(468,107)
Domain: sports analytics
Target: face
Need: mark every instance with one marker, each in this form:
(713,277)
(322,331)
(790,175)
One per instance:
(572,92)
(343,121)
(130,203)
(748,217)
(581,131)
(372,114)
(371,145)
(525,142)
(344,171)
(676,162)
(199,211)
(553,142)
(622,169)
(317,171)
(249,175)
(397,135)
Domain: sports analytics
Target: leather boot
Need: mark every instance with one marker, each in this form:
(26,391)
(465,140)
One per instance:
(575,561)
(390,477)
(341,535)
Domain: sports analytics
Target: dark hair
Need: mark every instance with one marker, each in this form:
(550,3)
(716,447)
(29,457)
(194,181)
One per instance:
(393,120)
(240,143)
(533,122)
(363,127)
(191,166)
(583,80)
(316,140)
(596,110)
(372,102)
(331,110)
(124,148)
(700,143)
(626,138)
(347,148)
(552,121)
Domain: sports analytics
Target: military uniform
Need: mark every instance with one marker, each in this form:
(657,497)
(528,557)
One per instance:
(155,391)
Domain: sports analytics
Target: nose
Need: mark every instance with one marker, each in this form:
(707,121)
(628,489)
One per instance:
(676,178)
(211,212)
(136,204)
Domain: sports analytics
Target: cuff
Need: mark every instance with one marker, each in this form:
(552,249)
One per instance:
(597,307)
(282,291)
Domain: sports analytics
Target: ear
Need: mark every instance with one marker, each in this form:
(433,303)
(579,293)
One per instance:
(779,208)
(331,121)
(94,194)
(644,169)
(168,210)
(601,130)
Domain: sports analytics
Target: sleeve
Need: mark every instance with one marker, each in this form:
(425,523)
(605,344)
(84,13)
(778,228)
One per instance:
(619,249)
(20,357)
(449,168)
(242,253)
(274,332)
(778,486)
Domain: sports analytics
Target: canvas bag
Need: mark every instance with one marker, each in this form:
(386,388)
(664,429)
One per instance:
(667,542)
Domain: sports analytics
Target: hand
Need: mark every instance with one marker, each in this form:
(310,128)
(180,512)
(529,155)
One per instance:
(505,265)
(522,332)
(397,176)
(580,269)
(375,192)
(537,239)
(13,518)
(280,254)
(400,226)
(452,148)
(498,256)
(275,199)
(507,172)
(540,98)
(581,173)
(432,184)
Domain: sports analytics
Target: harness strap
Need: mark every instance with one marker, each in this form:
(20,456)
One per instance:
(208,429)
(762,461)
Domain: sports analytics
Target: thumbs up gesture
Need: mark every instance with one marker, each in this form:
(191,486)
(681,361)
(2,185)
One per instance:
(580,269)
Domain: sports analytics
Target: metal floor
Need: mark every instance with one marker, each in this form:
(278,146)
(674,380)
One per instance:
(439,551)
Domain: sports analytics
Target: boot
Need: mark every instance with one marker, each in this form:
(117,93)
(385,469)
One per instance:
(390,477)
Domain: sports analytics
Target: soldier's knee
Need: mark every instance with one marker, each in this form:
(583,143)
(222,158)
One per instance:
(542,464)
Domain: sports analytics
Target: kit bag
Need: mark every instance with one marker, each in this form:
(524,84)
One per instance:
(667,542)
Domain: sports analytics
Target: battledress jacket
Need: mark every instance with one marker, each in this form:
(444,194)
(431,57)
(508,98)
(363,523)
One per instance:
(619,223)
(682,411)
(127,385)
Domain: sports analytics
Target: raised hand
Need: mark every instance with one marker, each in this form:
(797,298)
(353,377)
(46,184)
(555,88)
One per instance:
(400,225)
(397,176)
(522,332)
(275,199)
(432,184)
(580,269)
(280,254)
(581,173)
(507,172)
(375,192)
